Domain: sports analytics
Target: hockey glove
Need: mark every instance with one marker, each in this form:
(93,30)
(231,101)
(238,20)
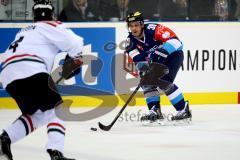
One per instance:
(71,66)
(143,68)
(159,56)
(154,74)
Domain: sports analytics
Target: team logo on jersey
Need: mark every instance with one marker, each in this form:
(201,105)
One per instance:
(166,35)
(140,47)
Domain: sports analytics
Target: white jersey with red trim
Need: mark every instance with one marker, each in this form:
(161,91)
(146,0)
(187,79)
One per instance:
(35,47)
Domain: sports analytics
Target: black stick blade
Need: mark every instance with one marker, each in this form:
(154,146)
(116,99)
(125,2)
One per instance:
(105,128)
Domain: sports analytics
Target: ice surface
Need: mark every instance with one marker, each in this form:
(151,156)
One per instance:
(213,134)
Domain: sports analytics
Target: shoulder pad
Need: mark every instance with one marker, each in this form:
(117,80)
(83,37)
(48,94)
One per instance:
(163,33)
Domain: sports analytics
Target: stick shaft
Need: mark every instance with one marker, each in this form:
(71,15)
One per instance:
(107,128)
(125,105)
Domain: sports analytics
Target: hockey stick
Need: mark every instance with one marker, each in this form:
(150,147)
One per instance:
(59,80)
(107,128)
(160,70)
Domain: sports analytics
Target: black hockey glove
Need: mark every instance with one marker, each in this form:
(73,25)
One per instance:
(71,66)
(154,74)
(159,56)
(143,68)
(154,70)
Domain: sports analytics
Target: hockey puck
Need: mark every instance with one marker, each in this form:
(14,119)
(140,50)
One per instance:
(93,129)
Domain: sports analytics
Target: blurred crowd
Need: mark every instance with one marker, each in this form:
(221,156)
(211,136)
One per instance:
(116,10)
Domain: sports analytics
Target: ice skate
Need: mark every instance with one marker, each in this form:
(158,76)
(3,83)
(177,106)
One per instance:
(5,147)
(56,155)
(183,115)
(154,115)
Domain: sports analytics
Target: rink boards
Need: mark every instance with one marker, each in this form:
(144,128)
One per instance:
(209,75)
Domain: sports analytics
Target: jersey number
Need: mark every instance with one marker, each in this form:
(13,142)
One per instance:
(14,45)
(152,26)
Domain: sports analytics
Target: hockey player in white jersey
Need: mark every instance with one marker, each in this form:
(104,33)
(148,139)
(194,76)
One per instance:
(26,77)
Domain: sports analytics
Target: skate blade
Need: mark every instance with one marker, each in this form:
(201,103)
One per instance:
(186,121)
(155,123)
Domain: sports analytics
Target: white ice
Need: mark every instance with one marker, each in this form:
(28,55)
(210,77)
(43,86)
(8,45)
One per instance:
(213,134)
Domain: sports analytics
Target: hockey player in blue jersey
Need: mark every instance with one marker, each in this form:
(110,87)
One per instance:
(155,43)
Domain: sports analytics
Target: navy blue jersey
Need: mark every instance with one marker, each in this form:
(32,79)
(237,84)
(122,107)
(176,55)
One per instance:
(155,36)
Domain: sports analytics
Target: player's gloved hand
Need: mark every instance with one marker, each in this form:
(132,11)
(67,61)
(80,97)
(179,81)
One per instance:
(159,56)
(143,68)
(71,66)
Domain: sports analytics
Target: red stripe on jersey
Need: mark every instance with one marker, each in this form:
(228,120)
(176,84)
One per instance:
(58,22)
(56,124)
(17,56)
(51,23)
(30,122)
